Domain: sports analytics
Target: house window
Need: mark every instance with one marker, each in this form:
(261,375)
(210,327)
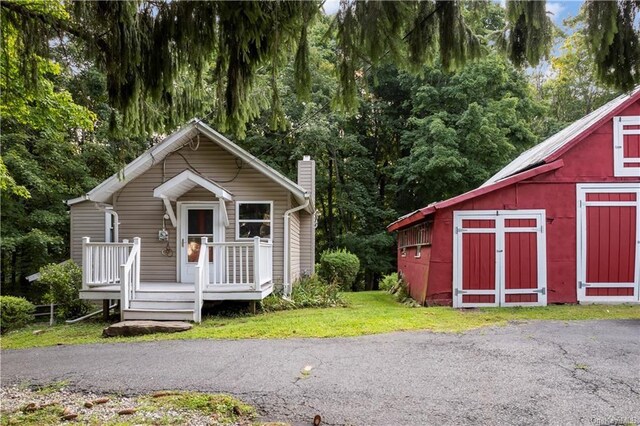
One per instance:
(254,219)
(626,146)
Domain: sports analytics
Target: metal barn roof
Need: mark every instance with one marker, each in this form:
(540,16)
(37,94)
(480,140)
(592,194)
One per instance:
(540,153)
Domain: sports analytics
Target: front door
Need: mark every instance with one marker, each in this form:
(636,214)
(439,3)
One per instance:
(608,242)
(196,221)
(499,258)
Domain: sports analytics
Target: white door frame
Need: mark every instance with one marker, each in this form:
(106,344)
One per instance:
(218,231)
(581,234)
(499,291)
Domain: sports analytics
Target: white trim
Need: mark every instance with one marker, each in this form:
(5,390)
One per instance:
(581,235)
(184,182)
(237,224)
(499,291)
(619,168)
(169,208)
(218,230)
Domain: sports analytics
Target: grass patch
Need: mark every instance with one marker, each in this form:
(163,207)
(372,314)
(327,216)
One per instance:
(366,313)
(53,387)
(49,415)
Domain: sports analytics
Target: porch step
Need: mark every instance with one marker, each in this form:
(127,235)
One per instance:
(161,303)
(165,295)
(158,314)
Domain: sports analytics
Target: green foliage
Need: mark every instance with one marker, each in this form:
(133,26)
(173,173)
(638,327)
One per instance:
(15,312)
(389,281)
(62,283)
(307,292)
(339,267)
(156,56)
(400,291)
(463,128)
(573,90)
(613,37)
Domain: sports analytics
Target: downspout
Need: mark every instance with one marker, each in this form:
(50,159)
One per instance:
(287,285)
(116,221)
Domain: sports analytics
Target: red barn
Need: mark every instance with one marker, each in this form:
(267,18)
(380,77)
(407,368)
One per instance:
(559,224)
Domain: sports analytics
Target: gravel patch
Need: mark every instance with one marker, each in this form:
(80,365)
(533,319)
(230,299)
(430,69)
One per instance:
(55,404)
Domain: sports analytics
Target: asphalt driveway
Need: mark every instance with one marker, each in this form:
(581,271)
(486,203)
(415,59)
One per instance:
(584,372)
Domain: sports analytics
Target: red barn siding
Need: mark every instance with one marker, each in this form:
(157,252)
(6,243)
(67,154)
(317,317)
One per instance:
(415,271)
(589,161)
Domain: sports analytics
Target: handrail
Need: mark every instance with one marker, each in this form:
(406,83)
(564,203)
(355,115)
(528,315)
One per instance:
(130,277)
(201,279)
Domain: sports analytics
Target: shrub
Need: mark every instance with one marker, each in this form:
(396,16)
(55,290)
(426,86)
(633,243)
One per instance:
(15,312)
(389,281)
(339,267)
(400,291)
(61,285)
(308,292)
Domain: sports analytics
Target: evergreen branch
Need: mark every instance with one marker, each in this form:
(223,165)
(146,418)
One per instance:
(55,23)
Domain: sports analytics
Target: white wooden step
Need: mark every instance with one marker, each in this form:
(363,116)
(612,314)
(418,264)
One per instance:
(168,304)
(158,314)
(165,295)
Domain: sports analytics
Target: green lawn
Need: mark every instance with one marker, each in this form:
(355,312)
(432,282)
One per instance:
(367,313)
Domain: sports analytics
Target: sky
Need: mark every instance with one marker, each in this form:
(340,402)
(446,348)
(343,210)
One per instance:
(559,10)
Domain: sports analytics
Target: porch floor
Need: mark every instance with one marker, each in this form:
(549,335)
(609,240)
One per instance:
(163,290)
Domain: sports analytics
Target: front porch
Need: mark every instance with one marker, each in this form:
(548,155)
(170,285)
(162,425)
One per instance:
(223,271)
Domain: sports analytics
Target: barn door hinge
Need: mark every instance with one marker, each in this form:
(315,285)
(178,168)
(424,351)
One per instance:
(582,284)
(542,290)
(459,229)
(617,146)
(458,291)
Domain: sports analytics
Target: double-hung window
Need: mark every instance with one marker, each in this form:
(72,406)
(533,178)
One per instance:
(254,219)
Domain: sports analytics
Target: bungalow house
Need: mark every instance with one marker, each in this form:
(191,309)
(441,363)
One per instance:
(559,224)
(194,218)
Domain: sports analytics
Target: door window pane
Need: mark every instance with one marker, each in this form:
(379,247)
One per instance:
(200,221)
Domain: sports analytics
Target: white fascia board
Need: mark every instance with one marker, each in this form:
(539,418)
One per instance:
(144,162)
(296,190)
(165,190)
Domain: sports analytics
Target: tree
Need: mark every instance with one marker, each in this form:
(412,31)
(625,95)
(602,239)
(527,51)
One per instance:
(572,89)
(49,154)
(155,55)
(463,128)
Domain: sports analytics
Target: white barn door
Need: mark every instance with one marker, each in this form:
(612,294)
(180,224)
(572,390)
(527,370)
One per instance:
(499,258)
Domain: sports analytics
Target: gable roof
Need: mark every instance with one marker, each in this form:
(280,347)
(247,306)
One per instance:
(103,192)
(542,158)
(551,148)
(416,216)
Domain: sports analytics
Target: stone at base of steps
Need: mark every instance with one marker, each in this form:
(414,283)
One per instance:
(137,328)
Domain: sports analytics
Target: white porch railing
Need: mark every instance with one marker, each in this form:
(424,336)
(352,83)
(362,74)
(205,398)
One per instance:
(242,263)
(101,262)
(130,277)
